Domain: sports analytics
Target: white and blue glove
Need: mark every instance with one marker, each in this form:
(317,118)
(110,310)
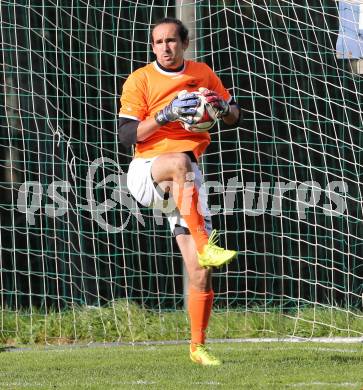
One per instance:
(181,108)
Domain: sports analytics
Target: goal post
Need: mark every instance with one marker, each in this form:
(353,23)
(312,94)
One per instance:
(81,260)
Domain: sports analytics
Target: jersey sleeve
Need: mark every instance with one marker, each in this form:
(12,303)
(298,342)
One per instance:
(215,84)
(133,98)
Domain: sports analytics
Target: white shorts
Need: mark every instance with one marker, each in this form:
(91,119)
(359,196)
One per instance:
(142,187)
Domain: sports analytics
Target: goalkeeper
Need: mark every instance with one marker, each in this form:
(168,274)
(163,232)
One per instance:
(166,160)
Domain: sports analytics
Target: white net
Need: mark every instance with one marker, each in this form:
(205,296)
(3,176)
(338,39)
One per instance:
(80,260)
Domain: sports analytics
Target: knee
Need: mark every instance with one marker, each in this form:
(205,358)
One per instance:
(180,163)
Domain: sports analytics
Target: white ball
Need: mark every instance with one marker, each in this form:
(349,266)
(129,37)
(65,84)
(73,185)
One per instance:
(205,117)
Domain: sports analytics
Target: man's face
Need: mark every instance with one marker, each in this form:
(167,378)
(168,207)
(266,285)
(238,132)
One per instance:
(167,46)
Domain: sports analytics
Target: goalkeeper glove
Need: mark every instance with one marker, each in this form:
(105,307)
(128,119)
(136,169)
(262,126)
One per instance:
(181,108)
(216,101)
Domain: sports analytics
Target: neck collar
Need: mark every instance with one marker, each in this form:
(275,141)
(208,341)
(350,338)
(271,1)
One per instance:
(164,70)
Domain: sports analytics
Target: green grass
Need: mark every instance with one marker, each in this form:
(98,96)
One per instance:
(129,322)
(246,366)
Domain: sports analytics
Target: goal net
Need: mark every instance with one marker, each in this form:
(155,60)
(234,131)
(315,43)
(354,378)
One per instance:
(80,260)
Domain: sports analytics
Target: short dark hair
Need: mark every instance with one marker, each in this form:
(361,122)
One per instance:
(182,30)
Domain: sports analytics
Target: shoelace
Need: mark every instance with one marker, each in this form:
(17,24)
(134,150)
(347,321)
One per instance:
(213,238)
(212,241)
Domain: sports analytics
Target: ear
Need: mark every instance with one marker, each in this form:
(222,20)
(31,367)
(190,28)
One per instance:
(152,46)
(186,44)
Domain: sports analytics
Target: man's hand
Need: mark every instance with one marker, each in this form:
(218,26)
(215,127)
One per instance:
(216,101)
(180,108)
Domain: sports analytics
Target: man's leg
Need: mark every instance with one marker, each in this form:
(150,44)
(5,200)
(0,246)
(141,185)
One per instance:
(200,300)
(176,170)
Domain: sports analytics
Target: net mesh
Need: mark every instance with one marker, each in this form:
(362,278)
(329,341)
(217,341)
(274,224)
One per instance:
(287,192)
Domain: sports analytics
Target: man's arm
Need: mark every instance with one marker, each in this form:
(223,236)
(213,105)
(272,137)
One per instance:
(131,131)
(234,116)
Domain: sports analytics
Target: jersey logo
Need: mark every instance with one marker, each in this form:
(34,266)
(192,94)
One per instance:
(192,83)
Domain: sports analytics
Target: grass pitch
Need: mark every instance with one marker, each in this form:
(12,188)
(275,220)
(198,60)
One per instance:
(246,366)
(126,321)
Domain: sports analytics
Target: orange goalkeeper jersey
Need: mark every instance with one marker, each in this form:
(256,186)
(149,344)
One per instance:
(149,89)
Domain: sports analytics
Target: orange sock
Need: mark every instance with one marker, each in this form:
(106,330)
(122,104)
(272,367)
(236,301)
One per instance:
(187,203)
(200,308)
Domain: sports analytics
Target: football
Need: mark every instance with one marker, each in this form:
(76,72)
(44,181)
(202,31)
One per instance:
(205,117)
